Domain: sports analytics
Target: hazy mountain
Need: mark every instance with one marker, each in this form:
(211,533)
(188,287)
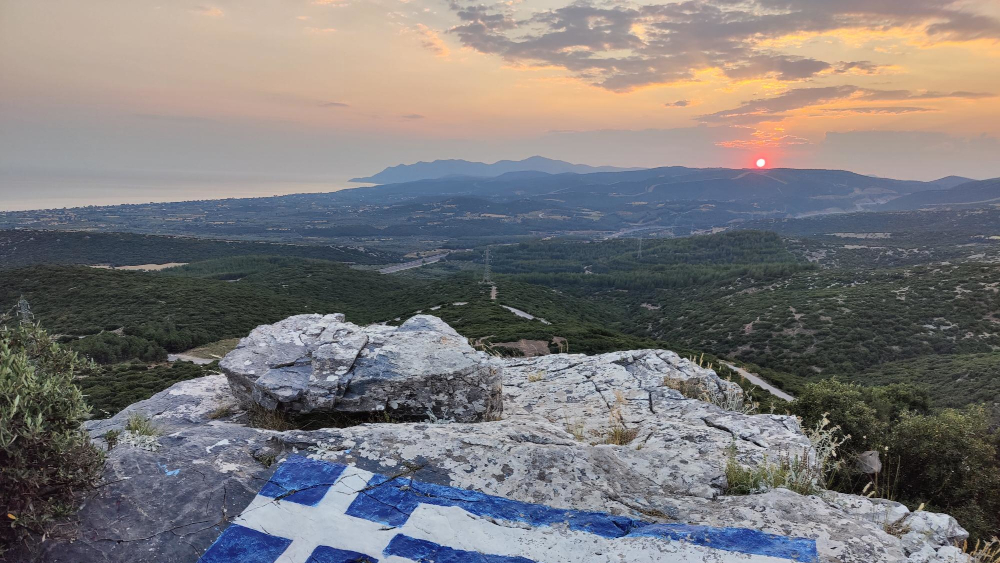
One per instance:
(446,168)
(951,181)
(783,190)
(674,199)
(982,194)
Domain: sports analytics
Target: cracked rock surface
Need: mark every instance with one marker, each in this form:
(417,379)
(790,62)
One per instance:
(549,448)
(320,363)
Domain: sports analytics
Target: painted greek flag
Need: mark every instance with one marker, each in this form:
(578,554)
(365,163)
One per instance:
(321,512)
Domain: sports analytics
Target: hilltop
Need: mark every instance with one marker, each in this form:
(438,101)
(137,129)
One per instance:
(445,168)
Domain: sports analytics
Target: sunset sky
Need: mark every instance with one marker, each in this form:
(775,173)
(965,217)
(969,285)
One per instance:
(339,88)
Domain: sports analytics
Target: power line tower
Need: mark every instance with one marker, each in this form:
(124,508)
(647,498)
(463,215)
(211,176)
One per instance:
(24,311)
(487,275)
(640,247)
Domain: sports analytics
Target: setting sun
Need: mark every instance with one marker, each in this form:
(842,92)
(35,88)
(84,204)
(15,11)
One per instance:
(761,162)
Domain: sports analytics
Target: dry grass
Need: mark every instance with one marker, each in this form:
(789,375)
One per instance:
(742,402)
(222,411)
(619,434)
(268,419)
(983,551)
(576,429)
(805,473)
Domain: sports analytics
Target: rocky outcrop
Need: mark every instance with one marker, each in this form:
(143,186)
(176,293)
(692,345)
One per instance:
(314,363)
(605,433)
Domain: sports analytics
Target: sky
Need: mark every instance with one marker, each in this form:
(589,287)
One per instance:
(324,90)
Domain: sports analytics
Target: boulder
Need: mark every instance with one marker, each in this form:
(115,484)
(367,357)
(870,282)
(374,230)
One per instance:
(601,435)
(322,364)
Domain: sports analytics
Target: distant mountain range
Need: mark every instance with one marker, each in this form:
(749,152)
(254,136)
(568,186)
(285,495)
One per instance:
(984,193)
(464,168)
(951,181)
(463,211)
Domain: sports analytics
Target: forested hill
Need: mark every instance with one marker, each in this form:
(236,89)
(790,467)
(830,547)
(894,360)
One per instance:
(26,247)
(751,296)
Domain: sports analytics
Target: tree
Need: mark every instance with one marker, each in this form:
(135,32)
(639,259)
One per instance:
(46,457)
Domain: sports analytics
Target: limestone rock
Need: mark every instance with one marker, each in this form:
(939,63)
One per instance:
(559,443)
(313,363)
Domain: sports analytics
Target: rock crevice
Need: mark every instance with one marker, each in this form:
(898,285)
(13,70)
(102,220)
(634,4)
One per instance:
(550,447)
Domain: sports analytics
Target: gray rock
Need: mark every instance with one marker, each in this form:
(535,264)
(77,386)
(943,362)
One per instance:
(311,363)
(549,448)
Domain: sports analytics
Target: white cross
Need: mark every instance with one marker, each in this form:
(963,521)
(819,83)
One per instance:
(324,524)
(328,524)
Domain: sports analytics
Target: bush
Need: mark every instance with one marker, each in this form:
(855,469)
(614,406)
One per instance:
(948,460)
(45,455)
(109,348)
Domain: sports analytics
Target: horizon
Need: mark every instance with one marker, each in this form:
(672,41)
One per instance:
(318,90)
(172,191)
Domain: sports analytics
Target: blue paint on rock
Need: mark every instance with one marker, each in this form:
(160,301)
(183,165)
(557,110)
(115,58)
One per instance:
(302,480)
(324,554)
(243,545)
(423,551)
(391,501)
(734,539)
(168,473)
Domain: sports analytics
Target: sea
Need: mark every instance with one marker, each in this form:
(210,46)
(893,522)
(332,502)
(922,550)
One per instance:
(22,191)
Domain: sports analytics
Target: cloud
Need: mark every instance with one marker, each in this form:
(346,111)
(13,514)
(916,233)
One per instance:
(858,67)
(320,30)
(431,40)
(622,46)
(210,11)
(334,105)
(760,139)
(888,110)
(780,66)
(678,104)
(776,108)
(412,116)
(909,154)
(966,27)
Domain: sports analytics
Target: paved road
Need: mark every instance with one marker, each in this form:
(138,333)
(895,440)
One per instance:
(756,380)
(412,264)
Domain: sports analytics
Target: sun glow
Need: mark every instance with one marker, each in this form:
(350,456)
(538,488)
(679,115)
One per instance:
(761,163)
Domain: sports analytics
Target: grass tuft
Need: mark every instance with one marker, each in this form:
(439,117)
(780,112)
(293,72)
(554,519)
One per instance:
(140,425)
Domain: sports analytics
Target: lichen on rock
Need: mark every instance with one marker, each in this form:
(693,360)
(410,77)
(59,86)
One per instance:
(550,447)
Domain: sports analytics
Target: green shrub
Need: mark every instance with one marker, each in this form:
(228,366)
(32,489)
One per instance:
(45,455)
(109,348)
(141,425)
(948,460)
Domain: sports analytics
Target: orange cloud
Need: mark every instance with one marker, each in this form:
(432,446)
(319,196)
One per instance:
(431,40)
(210,11)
